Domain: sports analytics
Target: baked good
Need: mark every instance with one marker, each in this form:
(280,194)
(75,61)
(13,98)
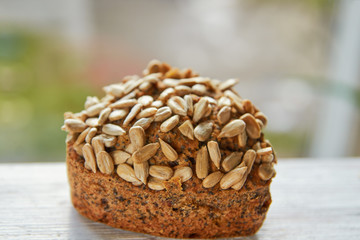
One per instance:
(170,154)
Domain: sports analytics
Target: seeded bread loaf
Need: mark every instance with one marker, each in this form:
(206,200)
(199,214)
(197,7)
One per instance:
(171,154)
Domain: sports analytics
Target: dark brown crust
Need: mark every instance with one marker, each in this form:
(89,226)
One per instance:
(190,211)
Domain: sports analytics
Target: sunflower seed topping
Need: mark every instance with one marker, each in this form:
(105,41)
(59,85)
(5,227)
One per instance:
(232,177)
(104,162)
(119,156)
(212,179)
(233,128)
(231,161)
(137,137)
(75,125)
(145,153)
(161,172)
(214,152)
(168,151)
(184,173)
(170,123)
(187,129)
(203,131)
(200,109)
(113,129)
(177,105)
(162,114)
(202,163)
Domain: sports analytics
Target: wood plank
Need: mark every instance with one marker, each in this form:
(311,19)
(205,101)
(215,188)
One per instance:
(312,199)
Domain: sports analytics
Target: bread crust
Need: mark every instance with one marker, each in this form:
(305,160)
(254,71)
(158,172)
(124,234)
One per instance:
(183,210)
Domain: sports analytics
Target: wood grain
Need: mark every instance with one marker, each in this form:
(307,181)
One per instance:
(312,199)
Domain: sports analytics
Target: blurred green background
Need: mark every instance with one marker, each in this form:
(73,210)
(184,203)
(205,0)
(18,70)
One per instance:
(54,54)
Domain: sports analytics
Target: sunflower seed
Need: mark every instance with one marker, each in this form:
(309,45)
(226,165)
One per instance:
(75,125)
(177,105)
(213,179)
(95,109)
(168,151)
(266,171)
(256,146)
(261,125)
(241,183)
(267,158)
(119,156)
(161,172)
(184,173)
(252,127)
(82,136)
(170,123)
(228,84)
(113,130)
(89,156)
(157,104)
(144,122)
(162,114)
(87,166)
(92,132)
(130,149)
(224,101)
(156,184)
(166,94)
(237,101)
(91,101)
(170,82)
(116,90)
(109,141)
(145,86)
(145,153)
(211,100)
(152,78)
(231,161)
(131,85)
(105,162)
(202,163)
(189,102)
(147,112)
(261,116)
(71,137)
(98,144)
(248,106)
(124,103)
(264,151)
(103,116)
(199,89)
(200,109)
(233,128)
(187,129)
(118,114)
(142,171)
(126,172)
(224,115)
(132,114)
(145,100)
(208,110)
(249,159)
(214,152)
(203,131)
(131,95)
(137,137)
(242,138)
(78,149)
(107,99)
(182,90)
(92,122)
(233,177)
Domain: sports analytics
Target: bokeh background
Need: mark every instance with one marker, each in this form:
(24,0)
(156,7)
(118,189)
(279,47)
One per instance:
(298,61)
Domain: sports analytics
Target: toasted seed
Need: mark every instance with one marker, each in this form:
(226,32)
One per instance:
(142,171)
(242,138)
(131,95)
(92,132)
(89,156)
(203,131)
(86,165)
(224,115)
(249,159)
(124,103)
(157,104)
(98,144)
(145,86)
(78,149)
(126,172)
(213,179)
(252,127)
(130,161)
(104,114)
(130,149)
(184,173)
(107,99)
(224,101)
(145,100)
(248,106)
(256,146)
(119,156)
(118,114)
(116,90)
(113,129)
(241,183)
(168,151)
(109,141)
(91,101)
(75,125)
(208,110)
(261,116)
(200,109)
(156,184)
(182,90)
(261,125)
(177,105)
(233,128)
(202,163)
(264,151)
(231,161)
(170,82)
(189,102)
(71,137)
(162,114)
(105,162)
(187,129)
(170,123)
(232,177)
(95,109)
(137,137)
(267,158)
(237,101)
(166,94)
(131,85)
(147,112)
(132,114)
(161,172)
(92,122)
(211,100)
(228,84)
(145,153)
(144,122)
(266,171)
(82,136)
(214,153)
(199,89)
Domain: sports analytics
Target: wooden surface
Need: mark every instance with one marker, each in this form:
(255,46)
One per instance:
(312,199)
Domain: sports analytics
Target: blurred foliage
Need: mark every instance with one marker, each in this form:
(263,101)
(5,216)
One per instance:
(40,79)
